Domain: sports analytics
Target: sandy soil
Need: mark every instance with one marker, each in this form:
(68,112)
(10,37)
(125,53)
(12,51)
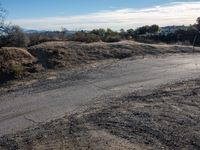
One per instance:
(164,118)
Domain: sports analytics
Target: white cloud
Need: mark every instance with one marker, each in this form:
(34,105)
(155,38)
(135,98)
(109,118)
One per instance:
(175,13)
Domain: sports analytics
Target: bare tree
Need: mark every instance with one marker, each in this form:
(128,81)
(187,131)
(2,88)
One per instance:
(14,36)
(3,14)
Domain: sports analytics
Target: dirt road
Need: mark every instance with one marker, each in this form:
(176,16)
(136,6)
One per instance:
(47,101)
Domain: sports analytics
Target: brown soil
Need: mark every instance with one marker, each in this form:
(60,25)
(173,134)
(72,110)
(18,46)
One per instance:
(166,118)
(16,62)
(13,59)
(69,54)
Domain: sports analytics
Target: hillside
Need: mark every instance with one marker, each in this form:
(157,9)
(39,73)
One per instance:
(55,55)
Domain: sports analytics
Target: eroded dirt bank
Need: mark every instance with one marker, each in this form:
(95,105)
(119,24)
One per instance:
(165,118)
(16,63)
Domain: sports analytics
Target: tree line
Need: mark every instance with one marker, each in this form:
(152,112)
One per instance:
(12,35)
(147,34)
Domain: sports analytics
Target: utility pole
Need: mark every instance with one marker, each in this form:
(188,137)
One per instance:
(194,41)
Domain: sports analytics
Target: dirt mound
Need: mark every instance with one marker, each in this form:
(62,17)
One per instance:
(13,61)
(15,55)
(68,54)
(53,55)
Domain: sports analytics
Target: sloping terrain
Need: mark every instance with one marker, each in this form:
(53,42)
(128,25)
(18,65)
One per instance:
(70,54)
(166,118)
(15,62)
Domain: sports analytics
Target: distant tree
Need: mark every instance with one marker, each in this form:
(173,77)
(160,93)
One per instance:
(147,29)
(153,29)
(130,33)
(99,32)
(142,30)
(11,35)
(82,36)
(186,34)
(106,35)
(14,36)
(110,32)
(123,34)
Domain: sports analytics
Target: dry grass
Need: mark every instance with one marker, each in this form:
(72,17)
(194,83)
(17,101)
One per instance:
(13,55)
(69,54)
(53,55)
(12,61)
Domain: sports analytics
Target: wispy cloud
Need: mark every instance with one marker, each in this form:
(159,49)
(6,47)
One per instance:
(175,13)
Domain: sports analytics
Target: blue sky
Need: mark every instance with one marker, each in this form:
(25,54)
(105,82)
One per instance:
(49,8)
(87,14)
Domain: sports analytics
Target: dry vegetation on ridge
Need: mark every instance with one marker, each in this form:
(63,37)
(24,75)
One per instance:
(53,55)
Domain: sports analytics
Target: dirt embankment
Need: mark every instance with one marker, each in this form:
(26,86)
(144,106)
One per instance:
(69,54)
(16,62)
(166,119)
(13,62)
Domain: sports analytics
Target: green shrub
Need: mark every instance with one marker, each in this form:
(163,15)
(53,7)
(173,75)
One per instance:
(85,37)
(109,35)
(112,39)
(17,70)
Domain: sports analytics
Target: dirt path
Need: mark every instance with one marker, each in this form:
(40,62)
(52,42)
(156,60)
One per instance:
(63,94)
(166,118)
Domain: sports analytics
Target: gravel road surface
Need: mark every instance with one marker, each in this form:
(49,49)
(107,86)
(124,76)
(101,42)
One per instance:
(32,105)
